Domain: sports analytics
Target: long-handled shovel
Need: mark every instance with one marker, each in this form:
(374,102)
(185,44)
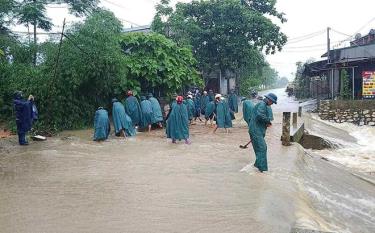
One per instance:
(245,146)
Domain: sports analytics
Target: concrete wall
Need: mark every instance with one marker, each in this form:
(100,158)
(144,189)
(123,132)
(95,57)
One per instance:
(361,112)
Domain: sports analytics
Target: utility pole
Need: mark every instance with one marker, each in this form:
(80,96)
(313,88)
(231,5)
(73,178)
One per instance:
(330,70)
(328,46)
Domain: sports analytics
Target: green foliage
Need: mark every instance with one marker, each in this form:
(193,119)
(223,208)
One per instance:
(301,82)
(263,77)
(34,13)
(96,63)
(6,7)
(223,34)
(91,70)
(157,62)
(345,89)
(282,82)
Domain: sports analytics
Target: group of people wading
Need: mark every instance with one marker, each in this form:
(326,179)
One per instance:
(179,114)
(128,116)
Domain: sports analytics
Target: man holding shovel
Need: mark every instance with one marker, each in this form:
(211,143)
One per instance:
(260,120)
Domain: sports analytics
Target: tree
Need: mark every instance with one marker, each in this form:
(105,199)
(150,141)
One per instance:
(282,82)
(158,63)
(33,12)
(91,71)
(6,7)
(302,83)
(224,34)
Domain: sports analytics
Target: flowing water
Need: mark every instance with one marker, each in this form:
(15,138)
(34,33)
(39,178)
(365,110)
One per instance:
(146,184)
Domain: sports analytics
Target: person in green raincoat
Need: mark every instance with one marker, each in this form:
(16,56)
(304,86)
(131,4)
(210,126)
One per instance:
(133,109)
(260,120)
(146,108)
(178,122)
(211,95)
(205,99)
(197,104)
(121,121)
(233,102)
(210,112)
(247,110)
(157,115)
(101,125)
(222,114)
(168,107)
(190,107)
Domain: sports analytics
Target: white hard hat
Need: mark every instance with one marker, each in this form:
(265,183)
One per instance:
(190,96)
(217,96)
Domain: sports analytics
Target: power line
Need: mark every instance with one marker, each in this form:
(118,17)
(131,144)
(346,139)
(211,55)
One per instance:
(308,35)
(306,38)
(360,29)
(301,51)
(114,4)
(341,33)
(121,6)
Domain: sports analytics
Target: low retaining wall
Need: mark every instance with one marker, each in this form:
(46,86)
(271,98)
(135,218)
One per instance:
(360,112)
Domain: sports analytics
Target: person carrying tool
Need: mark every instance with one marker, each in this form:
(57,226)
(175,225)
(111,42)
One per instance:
(261,119)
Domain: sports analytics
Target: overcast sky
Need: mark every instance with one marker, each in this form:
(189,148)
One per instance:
(305,17)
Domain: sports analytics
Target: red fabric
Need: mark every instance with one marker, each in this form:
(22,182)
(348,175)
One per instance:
(179,99)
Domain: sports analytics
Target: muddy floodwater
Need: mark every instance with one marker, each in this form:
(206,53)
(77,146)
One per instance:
(146,184)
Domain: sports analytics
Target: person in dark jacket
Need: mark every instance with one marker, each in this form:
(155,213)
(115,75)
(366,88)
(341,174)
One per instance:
(24,116)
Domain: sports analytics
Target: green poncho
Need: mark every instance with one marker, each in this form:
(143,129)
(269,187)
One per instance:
(157,115)
(260,118)
(211,96)
(191,108)
(233,102)
(146,108)
(133,110)
(210,109)
(205,99)
(223,117)
(121,120)
(178,122)
(247,110)
(101,125)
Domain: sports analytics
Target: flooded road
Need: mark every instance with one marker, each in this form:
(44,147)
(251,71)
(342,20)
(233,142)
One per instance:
(147,184)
